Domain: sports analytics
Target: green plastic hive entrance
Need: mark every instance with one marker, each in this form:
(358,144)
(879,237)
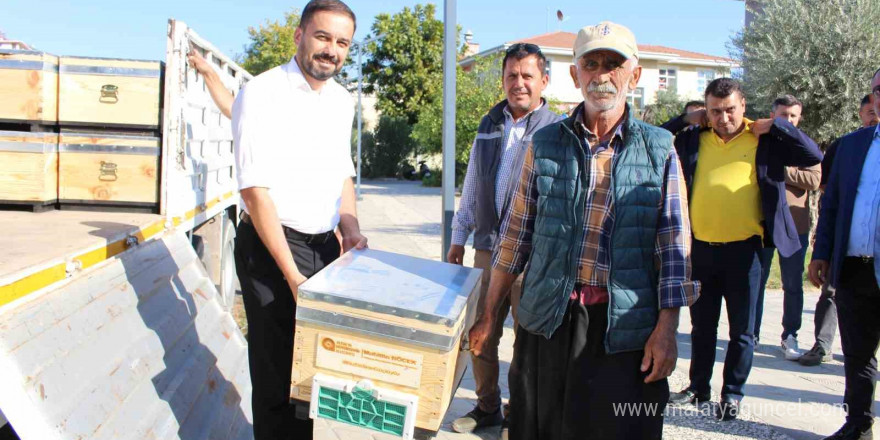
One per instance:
(360,408)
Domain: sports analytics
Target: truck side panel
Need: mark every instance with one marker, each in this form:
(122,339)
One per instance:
(137,347)
(198,161)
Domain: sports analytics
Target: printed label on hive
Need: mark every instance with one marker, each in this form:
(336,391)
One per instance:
(370,361)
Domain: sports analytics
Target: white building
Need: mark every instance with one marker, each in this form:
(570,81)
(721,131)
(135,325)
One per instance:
(663,68)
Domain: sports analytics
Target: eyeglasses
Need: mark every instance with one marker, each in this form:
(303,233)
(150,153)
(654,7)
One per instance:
(523,47)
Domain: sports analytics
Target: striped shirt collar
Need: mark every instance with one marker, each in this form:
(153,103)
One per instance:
(508,116)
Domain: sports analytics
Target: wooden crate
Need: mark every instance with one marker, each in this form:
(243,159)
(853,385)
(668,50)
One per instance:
(28,86)
(408,343)
(28,167)
(103,169)
(109,92)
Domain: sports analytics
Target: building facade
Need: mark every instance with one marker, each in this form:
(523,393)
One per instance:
(663,68)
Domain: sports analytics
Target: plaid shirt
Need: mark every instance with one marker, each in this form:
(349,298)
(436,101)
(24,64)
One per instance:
(464,221)
(672,246)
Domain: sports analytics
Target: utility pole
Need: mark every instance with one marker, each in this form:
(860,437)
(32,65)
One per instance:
(449,67)
(360,109)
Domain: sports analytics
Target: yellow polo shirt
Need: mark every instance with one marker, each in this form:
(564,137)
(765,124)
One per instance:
(726,201)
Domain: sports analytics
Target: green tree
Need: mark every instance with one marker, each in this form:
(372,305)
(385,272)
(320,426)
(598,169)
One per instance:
(385,149)
(405,67)
(271,44)
(667,105)
(821,51)
(477,91)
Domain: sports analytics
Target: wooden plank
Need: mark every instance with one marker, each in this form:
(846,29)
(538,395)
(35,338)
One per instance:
(29,94)
(109,176)
(28,167)
(28,177)
(95,98)
(439,370)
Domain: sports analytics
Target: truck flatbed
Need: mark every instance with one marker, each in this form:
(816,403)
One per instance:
(32,243)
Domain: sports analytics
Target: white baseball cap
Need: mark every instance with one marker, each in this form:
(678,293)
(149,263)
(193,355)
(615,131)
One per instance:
(606,36)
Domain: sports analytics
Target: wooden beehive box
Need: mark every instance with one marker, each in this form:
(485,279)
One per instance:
(109,92)
(28,167)
(28,86)
(392,322)
(110,170)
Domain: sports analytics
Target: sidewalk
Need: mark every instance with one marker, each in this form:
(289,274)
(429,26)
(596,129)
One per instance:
(784,400)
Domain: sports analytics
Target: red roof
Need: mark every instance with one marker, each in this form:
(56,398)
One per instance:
(565,40)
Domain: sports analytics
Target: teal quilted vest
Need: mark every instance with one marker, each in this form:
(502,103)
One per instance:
(637,178)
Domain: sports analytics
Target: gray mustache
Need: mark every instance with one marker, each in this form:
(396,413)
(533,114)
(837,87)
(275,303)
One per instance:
(602,88)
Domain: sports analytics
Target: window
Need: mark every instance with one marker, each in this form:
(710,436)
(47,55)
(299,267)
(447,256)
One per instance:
(668,78)
(636,98)
(704,77)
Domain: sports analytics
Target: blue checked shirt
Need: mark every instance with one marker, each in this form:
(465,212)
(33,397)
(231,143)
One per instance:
(672,245)
(464,222)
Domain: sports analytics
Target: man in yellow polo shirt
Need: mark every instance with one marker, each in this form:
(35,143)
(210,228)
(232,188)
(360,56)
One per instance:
(735,171)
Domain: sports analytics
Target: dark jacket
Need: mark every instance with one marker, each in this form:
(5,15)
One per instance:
(836,207)
(782,147)
(562,183)
(487,154)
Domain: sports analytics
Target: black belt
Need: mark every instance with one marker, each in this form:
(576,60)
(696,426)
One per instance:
(293,234)
(860,260)
(728,243)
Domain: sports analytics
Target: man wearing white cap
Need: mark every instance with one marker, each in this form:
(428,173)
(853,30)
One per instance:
(600,216)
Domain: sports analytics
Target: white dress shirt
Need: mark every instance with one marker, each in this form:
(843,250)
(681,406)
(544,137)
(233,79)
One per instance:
(297,143)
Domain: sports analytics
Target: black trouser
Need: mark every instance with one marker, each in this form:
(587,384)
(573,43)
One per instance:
(858,304)
(731,271)
(567,387)
(825,319)
(270,309)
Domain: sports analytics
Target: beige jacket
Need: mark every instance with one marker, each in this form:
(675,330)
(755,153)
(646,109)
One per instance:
(798,184)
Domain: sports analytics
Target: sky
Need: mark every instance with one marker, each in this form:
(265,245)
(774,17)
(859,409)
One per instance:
(136,29)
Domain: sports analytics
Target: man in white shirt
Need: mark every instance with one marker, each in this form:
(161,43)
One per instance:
(292,130)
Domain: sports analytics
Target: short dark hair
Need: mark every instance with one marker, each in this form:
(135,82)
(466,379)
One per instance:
(315,6)
(519,51)
(866,100)
(787,101)
(695,104)
(724,87)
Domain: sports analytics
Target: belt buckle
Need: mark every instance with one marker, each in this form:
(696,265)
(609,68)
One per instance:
(864,259)
(715,243)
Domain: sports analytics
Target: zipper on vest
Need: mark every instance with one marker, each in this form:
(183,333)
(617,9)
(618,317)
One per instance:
(580,203)
(611,189)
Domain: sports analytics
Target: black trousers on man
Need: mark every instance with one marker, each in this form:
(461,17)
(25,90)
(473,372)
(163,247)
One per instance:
(858,307)
(825,319)
(567,387)
(270,309)
(732,272)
